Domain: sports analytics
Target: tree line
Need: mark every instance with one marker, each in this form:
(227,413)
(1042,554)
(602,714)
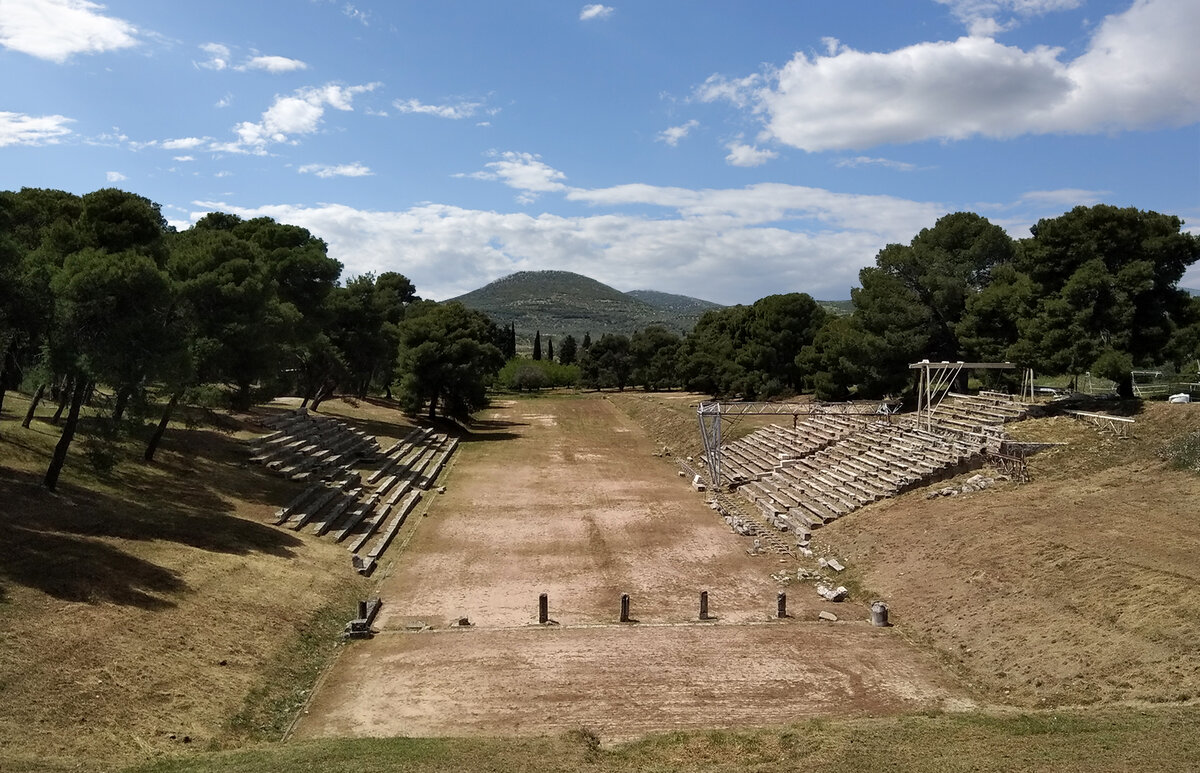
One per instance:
(99,291)
(102,302)
(1094,290)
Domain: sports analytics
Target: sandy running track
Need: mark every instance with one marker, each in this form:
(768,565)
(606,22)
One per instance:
(564,496)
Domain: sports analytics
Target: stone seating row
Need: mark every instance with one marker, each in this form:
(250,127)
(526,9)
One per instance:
(356,512)
(764,451)
(305,445)
(879,460)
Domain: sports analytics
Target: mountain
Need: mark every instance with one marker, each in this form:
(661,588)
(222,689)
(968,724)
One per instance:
(561,302)
(679,304)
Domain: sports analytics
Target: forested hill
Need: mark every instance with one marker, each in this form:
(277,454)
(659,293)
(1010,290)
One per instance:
(558,303)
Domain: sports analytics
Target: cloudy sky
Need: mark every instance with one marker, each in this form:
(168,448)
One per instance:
(717,149)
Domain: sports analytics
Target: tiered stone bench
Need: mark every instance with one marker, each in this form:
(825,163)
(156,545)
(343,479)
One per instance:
(828,466)
(365,514)
(304,446)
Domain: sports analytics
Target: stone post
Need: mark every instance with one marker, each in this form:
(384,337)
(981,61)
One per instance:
(624,607)
(703,605)
(781,604)
(543,609)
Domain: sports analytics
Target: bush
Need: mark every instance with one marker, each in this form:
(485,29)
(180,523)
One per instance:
(520,374)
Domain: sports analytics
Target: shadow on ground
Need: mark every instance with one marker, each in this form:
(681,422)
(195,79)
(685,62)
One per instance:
(55,542)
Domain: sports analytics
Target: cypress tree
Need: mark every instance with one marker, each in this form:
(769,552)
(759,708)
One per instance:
(566,352)
(537,345)
(587,341)
(550,349)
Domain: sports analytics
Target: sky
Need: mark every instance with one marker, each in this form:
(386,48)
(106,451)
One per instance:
(726,151)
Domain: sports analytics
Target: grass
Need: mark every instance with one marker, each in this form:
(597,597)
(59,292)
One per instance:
(288,680)
(1112,739)
(171,607)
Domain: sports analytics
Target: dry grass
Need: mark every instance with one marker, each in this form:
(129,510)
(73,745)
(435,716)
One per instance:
(138,610)
(1161,739)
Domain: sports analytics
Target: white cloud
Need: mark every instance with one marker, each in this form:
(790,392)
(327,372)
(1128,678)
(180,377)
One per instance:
(705,249)
(524,171)
(595,11)
(183,158)
(114,177)
(289,116)
(218,56)
(989,17)
(673,134)
(741,154)
(455,111)
(1139,71)
(741,92)
(21,129)
(1065,197)
(273,64)
(184,143)
(857,161)
(340,170)
(57,29)
(224,101)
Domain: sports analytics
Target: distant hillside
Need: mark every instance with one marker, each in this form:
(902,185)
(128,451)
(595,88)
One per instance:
(679,304)
(560,302)
(839,308)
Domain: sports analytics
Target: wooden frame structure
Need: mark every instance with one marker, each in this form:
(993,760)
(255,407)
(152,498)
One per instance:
(936,378)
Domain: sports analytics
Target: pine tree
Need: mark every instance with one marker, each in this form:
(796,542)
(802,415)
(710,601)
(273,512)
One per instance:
(537,345)
(587,342)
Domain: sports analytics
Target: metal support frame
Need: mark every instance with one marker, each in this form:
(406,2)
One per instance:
(936,378)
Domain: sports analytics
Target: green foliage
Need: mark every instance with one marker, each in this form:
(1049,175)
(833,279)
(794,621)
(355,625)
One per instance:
(1106,279)
(607,363)
(567,352)
(448,355)
(520,374)
(751,351)
(655,355)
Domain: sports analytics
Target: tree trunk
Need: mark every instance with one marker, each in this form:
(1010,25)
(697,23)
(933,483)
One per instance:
(64,396)
(241,398)
(4,372)
(33,404)
(433,405)
(321,396)
(122,402)
(64,441)
(1125,387)
(152,446)
(387,391)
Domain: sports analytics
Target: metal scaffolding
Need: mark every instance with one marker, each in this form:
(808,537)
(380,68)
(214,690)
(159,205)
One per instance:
(936,378)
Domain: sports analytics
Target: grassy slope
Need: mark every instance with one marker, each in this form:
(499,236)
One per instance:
(153,604)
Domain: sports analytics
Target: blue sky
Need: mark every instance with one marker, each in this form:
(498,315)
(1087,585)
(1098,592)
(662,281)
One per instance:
(722,150)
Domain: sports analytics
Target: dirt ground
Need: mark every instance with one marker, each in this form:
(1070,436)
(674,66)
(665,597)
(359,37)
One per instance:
(565,496)
(1079,587)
